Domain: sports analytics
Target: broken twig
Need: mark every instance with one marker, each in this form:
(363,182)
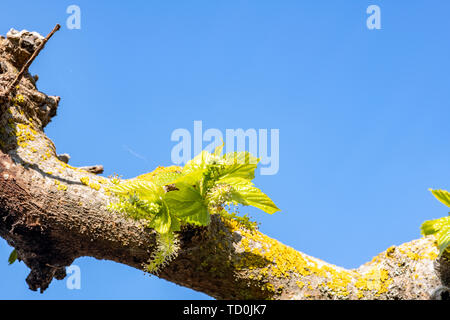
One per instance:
(24,69)
(93,169)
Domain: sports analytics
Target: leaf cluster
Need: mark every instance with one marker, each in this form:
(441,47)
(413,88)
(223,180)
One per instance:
(165,200)
(440,228)
(202,187)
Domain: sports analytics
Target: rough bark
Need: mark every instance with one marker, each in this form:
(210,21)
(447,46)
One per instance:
(53,213)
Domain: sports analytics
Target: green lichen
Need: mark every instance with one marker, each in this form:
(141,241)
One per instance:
(243,221)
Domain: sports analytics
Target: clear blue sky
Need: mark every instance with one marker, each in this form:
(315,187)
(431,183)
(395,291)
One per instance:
(363,114)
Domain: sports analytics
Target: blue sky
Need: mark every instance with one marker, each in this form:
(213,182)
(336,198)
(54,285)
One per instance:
(363,114)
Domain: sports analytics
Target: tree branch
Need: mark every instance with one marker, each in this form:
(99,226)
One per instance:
(53,213)
(25,67)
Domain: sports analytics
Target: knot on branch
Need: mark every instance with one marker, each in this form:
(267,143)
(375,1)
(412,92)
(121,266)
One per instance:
(47,109)
(18,51)
(97,169)
(41,276)
(20,45)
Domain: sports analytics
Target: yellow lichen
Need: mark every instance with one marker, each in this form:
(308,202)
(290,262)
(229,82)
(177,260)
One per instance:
(60,186)
(67,166)
(102,181)
(269,287)
(271,258)
(19,99)
(85,180)
(94,186)
(339,281)
(390,251)
(47,154)
(376,280)
(416,253)
(24,133)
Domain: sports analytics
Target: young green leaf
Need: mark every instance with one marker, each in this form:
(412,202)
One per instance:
(145,189)
(193,177)
(166,178)
(235,182)
(241,157)
(243,171)
(162,221)
(219,149)
(198,162)
(443,238)
(201,218)
(203,187)
(247,195)
(442,195)
(136,208)
(175,223)
(12,257)
(440,228)
(186,202)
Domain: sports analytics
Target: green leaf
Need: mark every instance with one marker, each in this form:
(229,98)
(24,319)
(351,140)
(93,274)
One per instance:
(200,218)
(12,257)
(433,226)
(241,157)
(251,196)
(219,149)
(239,165)
(443,238)
(136,208)
(442,195)
(193,170)
(162,221)
(186,202)
(192,178)
(198,162)
(175,224)
(236,182)
(145,198)
(440,228)
(145,189)
(166,178)
(243,171)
